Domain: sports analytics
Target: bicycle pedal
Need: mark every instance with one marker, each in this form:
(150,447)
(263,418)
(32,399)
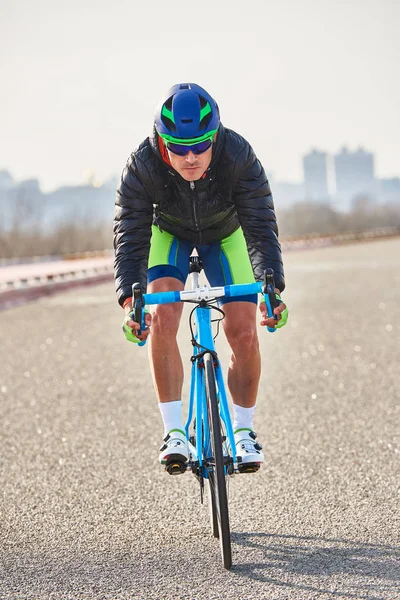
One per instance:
(175,467)
(248,468)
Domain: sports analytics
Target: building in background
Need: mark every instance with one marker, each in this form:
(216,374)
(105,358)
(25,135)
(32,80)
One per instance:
(354,176)
(315,169)
(286,193)
(389,190)
(6,180)
(23,205)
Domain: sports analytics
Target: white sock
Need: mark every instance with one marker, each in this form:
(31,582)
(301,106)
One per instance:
(171,413)
(242,417)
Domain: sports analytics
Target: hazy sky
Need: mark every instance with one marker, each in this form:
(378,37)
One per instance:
(80,79)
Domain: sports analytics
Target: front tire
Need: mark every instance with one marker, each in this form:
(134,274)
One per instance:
(216,477)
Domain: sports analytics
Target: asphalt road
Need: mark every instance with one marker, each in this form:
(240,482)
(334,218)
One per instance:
(87,512)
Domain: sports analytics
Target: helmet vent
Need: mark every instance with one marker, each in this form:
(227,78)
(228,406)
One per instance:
(165,118)
(205,112)
(186,120)
(168,123)
(204,122)
(203,101)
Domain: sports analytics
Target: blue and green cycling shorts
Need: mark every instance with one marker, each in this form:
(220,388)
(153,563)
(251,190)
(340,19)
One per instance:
(224,262)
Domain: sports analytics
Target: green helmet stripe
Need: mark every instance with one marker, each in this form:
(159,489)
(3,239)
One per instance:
(168,113)
(205,111)
(188,142)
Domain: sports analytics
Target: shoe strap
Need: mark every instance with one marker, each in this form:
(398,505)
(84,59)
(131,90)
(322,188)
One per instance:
(167,437)
(179,430)
(250,432)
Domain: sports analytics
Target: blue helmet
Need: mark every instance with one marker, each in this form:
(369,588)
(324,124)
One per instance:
(188,115)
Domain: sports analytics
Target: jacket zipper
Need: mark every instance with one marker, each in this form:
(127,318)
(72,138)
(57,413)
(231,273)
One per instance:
(196,221)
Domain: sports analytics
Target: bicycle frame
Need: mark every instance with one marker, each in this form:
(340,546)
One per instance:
(197,401)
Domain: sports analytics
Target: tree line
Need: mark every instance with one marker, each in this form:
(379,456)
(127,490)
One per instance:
(26,235)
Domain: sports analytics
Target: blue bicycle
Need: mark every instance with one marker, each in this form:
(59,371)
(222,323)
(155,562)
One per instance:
(208,427)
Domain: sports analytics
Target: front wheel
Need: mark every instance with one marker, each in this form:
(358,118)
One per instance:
(216,476)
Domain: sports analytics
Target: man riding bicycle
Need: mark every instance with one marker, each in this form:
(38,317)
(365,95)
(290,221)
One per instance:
(194,184)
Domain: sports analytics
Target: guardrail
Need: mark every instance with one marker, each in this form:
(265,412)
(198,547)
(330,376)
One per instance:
(319,240)
(20,283)
(27,260)
(23,282)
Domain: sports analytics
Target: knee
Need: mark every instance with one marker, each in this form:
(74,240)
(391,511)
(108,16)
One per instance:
(242,339)
(165,320)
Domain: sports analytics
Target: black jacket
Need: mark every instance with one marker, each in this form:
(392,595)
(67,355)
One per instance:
(234,192)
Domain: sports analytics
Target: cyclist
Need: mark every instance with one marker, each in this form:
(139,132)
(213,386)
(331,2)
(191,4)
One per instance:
(195,184)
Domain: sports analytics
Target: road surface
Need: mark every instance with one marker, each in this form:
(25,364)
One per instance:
(87,512)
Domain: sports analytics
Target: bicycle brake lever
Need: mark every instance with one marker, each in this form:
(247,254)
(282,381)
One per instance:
(138,304)
(269,294)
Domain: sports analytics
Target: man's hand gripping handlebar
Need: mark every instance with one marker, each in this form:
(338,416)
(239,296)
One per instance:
(274,312)
(136,325)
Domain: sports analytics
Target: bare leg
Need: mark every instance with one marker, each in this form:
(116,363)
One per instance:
(165,359)
(245,366)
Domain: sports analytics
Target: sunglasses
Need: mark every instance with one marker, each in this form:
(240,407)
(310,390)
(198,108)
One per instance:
(183,149)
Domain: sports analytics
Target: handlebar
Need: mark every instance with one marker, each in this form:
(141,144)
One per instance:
(203,293)
(266,287)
